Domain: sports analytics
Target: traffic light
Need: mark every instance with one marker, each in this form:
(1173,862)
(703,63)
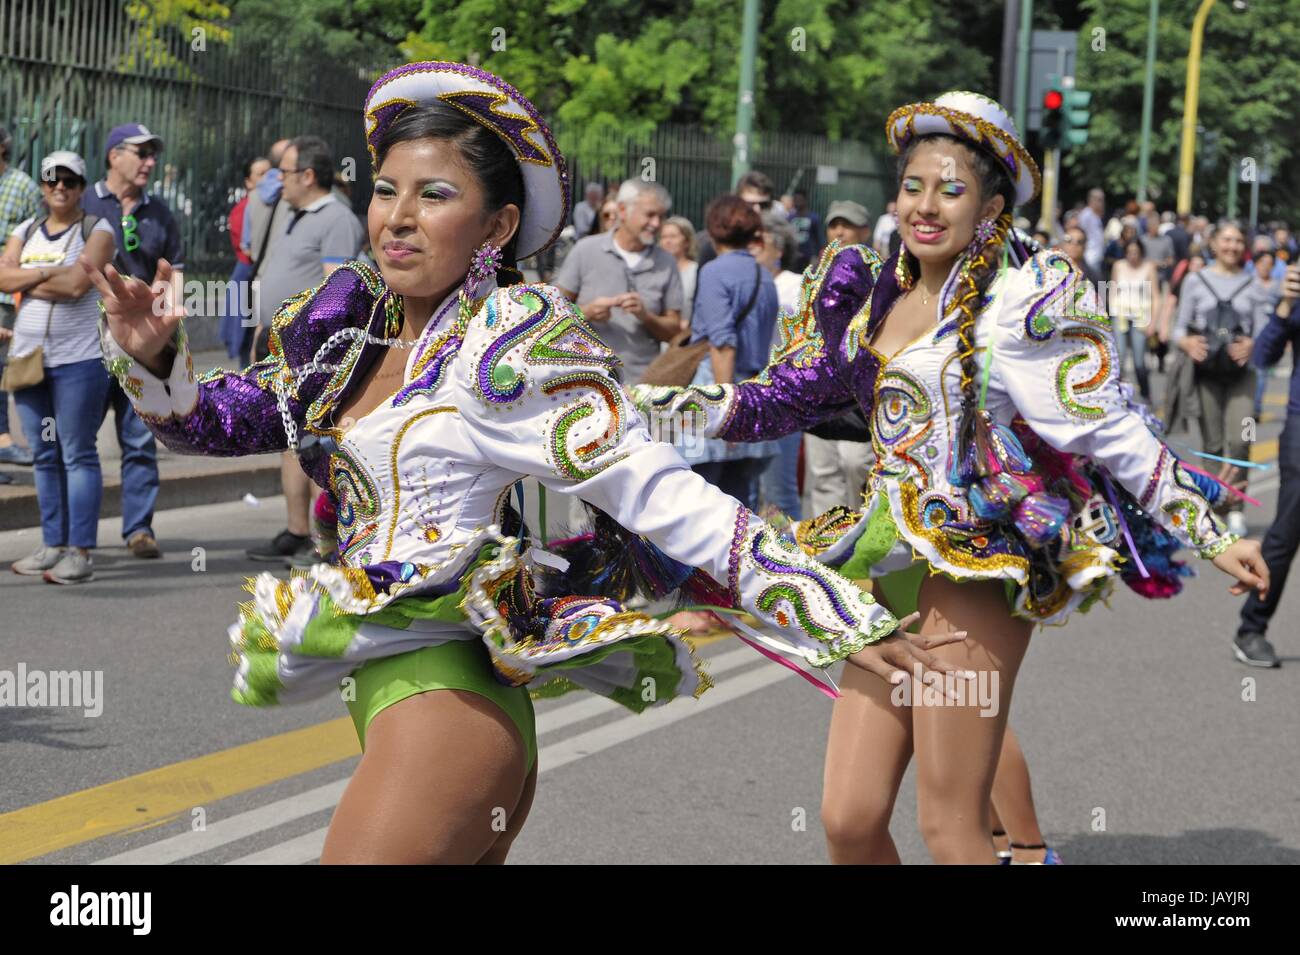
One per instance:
(1074,110)
(1053,126)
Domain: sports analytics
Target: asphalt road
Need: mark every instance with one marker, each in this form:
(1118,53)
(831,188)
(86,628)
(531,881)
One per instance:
(1138,711)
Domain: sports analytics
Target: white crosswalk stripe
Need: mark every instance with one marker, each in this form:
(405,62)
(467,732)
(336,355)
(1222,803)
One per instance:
(306,848)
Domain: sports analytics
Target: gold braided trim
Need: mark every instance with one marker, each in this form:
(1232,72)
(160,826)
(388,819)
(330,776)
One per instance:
(969,296)
(909,498)
(901,127)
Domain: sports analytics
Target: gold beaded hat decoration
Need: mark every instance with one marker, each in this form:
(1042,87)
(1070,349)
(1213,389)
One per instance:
(978,119)
(501,108)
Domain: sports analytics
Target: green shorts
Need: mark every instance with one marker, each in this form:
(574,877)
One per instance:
(901,590)
(455,665)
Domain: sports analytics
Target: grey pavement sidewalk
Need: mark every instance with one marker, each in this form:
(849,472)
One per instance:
(186,479)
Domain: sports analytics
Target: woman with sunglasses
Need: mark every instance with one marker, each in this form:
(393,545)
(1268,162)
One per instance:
(58,317)
(420,395)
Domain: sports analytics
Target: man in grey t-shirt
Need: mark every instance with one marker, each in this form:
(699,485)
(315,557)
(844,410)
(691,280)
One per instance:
(1158,248)
(626,285)
(320,234)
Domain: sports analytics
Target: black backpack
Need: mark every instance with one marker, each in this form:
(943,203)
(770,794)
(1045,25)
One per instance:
(88,222)
(1222,328)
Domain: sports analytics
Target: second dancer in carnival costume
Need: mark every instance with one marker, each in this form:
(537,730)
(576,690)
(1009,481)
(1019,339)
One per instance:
(1013,483)
(420,396)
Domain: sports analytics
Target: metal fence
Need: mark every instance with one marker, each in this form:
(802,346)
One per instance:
(694,165)
(71,70)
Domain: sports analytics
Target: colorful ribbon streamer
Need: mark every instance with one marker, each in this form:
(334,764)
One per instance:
(1123,526)
(1241,494)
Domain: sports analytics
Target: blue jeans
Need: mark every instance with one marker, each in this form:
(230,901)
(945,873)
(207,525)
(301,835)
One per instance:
(779,485)
(1283,537)
(236,319)
(69,483)
(139,463)
(1134,340)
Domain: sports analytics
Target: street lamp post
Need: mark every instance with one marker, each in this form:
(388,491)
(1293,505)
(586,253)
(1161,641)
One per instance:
(1148,97)
(1023,53)
(745,93)
(1191,99)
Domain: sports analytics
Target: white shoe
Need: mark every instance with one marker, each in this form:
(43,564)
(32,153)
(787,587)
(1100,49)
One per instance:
(38,562)
(1237,523)
(74,567)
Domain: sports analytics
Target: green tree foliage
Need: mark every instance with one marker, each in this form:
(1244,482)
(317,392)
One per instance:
(335,34)
(838,68)
(205,18)
(1249,77)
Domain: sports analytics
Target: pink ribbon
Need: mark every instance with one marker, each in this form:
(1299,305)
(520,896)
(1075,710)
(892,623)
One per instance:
(1241,494)
(772,655)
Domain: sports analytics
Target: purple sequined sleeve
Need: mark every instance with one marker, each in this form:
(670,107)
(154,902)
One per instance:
(227,413)
(807,380)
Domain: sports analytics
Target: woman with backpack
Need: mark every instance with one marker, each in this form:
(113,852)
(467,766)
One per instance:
(55,367)
(1217,313)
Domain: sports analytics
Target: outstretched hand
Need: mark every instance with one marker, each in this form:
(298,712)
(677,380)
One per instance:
(141,318)
(1245,562)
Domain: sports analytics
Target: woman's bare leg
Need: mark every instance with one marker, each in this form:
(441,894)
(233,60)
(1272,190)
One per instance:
(442,777)
(497,854)
(1014,799)
(867,753)
(956,747)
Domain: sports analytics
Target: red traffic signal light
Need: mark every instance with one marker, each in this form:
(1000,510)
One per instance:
(1053,99)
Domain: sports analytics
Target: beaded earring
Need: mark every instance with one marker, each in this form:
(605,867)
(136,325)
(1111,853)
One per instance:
(394,314)
(903,270)
(484,264)
(984,231)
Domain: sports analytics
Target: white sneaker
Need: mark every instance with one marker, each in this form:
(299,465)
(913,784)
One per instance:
(38,562)
(73,567)
(1237,523)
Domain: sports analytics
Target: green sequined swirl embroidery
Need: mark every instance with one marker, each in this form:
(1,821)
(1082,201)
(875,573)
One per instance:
(569,341)
(797,602)
(605,391)
(1185,514)
(1067,391)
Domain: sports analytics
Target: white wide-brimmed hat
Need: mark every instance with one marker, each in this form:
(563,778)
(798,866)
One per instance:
(977,119)
(501,108)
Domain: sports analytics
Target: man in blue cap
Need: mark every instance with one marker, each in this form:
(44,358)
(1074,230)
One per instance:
(146,232)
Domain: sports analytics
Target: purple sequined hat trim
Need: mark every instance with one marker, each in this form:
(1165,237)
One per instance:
(541,162)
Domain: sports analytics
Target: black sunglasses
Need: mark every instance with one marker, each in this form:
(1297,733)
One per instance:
(66,181)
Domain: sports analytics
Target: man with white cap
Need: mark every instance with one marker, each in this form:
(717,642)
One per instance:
(838,452)
(146,233)
(19,199)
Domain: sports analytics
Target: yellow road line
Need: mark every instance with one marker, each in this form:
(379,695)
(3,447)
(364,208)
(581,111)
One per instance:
(137,802)
(1264,451)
